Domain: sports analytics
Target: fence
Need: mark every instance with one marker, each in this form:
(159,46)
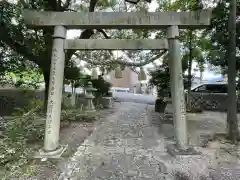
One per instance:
(212,101)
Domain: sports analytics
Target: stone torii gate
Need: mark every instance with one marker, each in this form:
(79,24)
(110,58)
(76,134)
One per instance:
(61,21)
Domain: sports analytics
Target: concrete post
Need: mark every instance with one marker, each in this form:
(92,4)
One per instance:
(51,140)
(177,89)
(73,98)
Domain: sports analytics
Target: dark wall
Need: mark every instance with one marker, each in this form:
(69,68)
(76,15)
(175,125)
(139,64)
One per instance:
(212,102)
(16,98)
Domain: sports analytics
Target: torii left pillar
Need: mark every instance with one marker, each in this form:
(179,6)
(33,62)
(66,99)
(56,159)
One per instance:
(51,140)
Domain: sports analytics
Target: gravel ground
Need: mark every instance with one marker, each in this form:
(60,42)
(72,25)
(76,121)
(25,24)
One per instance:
(73,135)
(131,144)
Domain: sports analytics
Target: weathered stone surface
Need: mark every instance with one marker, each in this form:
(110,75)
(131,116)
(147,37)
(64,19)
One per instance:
(226,172)
(114,44)
(106,102)
(131,144)
(174,151)
(211,101)
(123,148)
(118,20)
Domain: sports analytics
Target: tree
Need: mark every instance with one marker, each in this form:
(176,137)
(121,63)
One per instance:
(36,45)
(217,32)
(221,51)
(190,41)
(160,78)
(233,131)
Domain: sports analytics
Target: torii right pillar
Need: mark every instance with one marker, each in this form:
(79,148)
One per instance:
(177,89)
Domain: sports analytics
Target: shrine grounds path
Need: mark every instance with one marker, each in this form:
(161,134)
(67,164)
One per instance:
(131,145)
(127,145)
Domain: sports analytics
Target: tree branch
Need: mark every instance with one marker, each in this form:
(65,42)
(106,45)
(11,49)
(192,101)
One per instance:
(86,34)
(104,33)
(50,5)
(92,5)
(122,62)
(134,70)
(20,48)
(66,4)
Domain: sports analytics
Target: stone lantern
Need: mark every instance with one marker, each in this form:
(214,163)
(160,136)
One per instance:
(89,107)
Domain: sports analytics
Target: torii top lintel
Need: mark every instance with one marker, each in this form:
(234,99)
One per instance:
(118,20)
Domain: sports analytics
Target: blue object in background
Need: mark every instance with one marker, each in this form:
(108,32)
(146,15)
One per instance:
(215,79)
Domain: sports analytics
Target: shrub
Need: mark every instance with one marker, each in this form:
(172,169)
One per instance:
(160,78)
(181,176)
(15,152)
(17,132)
(102,86)
(77,115)
(20,132)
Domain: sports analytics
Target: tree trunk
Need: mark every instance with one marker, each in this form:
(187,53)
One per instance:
(189,72)
(46,75)
(201,76)
(232,122)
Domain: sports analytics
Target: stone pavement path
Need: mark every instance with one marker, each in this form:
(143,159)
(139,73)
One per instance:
(126,146)
(131,145)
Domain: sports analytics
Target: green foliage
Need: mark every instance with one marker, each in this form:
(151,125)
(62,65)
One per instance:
(78,115)
(72,72)
(18,132)
(28,78)
(33,104)
(19,45)
(14,156)
(102,86)
(218,35)
(161,79)
(195,36)
(29,127)
(26,128)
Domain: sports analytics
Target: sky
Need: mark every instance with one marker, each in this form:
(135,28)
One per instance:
(207,74)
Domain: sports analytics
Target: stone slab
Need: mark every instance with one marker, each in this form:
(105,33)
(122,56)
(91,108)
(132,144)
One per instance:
(174,151)
(118,20)
(41,154)
(116,44)
(106,102)
(226,172)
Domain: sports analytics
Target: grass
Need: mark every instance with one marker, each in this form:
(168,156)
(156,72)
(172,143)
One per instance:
(23,135)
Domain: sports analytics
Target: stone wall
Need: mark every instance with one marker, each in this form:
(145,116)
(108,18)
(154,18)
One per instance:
(211,102)
(11,99)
